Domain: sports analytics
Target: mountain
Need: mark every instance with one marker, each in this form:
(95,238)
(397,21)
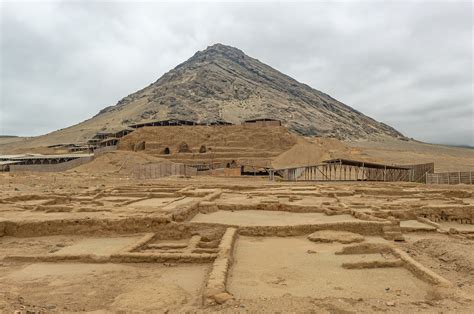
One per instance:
(223,83)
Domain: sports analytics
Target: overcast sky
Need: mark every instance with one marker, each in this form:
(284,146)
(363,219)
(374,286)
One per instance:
(406,63)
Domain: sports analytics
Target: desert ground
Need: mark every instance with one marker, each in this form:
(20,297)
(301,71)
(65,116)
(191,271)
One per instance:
(97,238)
(103,242)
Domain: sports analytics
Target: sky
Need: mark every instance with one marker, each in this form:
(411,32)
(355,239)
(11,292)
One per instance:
(405,63)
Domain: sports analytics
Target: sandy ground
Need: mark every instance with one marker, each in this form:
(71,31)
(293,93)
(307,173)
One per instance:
(451,257)
(47,218)
(90,287)
(272,267)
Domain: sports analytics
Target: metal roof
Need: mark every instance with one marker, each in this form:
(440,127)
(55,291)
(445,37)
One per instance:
(3,163)
(30,157)
(15,156)
(358,163)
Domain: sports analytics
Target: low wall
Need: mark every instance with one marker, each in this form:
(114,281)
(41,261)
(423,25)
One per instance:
(163,169)
(52,167)
(217,280)
(460,177)
(370,228)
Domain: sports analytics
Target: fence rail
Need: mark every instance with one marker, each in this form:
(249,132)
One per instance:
(459,177)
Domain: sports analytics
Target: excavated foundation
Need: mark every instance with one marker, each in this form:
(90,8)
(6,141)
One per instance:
(207,245)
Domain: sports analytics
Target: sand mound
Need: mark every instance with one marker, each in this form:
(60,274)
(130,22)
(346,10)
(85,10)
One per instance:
(311,152)
(121,162)
(335,236)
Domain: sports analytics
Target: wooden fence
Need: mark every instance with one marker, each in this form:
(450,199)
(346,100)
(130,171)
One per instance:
(459,177)
(337,172)
(418,172)
(161,170)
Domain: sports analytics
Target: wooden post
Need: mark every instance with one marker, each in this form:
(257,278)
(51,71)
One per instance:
(340,170)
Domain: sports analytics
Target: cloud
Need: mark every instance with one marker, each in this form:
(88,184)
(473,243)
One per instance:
(408,64)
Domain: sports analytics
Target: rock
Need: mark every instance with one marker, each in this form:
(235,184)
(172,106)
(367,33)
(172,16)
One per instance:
(311,252)
(390,303)
(223,297)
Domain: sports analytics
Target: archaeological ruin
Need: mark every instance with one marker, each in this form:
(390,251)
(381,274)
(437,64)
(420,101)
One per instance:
(186,217)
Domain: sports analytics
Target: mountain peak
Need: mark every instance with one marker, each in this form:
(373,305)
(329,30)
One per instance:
(218,50)
(222,83)
(224,49)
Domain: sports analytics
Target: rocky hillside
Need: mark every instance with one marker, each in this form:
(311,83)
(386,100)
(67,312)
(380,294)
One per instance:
(223,83)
